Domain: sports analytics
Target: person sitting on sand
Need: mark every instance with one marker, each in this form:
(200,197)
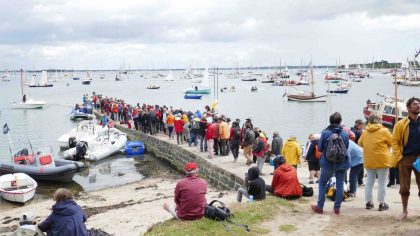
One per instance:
(67,218)
(189,196)
(255,185)
(285,182)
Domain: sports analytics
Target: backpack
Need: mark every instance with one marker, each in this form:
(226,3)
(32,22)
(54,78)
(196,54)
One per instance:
(336,149)
(221,213)
(194,125)
(307,191)
(317,152)
(237,133)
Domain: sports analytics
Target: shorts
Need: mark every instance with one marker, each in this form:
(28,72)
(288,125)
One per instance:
(313,165)
(406,167)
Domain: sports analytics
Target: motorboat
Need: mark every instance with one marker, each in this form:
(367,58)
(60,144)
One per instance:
(153,87)
(338,90)
(41,166)
(29,104)
(386,108)
(193,96)
(134,147)
(80,114)
(17,187)
(84,131)
(105,145)
(196,90)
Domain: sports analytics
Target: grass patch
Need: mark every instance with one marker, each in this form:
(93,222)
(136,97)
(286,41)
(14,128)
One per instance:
(287,228)
(252,214)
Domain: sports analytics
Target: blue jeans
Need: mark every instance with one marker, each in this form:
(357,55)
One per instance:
(354,173)
(170,131)
(193,138)
(339,192)
(203,143)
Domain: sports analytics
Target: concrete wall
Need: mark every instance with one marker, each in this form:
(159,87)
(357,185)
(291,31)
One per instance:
(177,156)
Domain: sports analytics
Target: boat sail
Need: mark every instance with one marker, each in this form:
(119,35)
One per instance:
(26,103)
(169,77)
(43,82)
(307,96)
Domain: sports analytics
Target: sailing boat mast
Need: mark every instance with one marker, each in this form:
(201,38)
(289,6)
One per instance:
(21,82)
(396,97)
(312,81)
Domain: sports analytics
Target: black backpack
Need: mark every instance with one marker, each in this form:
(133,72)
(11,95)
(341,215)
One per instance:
(221,213)
(307,191)
(336,149)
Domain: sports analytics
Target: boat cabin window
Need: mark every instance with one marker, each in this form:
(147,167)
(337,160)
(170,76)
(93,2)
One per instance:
(388,110)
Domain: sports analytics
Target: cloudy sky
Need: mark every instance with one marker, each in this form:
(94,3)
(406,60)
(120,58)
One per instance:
(103,34)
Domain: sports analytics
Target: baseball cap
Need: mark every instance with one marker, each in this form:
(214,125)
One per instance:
(190,166)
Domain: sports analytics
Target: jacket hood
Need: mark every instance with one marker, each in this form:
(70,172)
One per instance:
(285,167)
(253,173)
(373,127)
(291,142)
(66,208)
(335,128)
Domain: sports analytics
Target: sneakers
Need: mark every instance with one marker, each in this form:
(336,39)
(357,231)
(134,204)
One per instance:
(351,197)
(337,211)
(316,209)
(389,185)
(369,205)
(235,160)
(362,184)
(383,207)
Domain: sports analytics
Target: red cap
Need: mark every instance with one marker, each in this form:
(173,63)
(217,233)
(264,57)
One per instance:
(190,166)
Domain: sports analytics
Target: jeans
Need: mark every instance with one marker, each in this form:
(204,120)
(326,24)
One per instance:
(260,163)
(360,177)
(203,143)
(382,178)
(193,139)
(325,176)
(170,131)
(242,191)
(394,176)
(234,147)
(354,174)
(223,147)
(216,146)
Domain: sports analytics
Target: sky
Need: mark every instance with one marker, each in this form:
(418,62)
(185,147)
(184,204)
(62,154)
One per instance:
(152,34)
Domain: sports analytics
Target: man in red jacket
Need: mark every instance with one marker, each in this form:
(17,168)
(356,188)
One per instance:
(179,127)
(190,195)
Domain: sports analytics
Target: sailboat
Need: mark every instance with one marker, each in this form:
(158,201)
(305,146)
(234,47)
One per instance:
(43,82)
(6,76)
(204,88)
(169,77)
(26,104)
(307,96)
(87,79)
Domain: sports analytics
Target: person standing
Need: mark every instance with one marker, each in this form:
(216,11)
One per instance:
(312,156)
(179,128)
(276,144)
(202,132)
(355,153)
(259,151)
(357,129)
(189,196)
(406,149)
(332,134)
(224,136)
(291,151)
(376,143)
(249,138)
(235,140)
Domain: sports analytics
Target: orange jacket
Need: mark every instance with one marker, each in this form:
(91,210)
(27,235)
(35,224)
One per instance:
(285,182)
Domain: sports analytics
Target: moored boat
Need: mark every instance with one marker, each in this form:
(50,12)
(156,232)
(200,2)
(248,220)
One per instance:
(153,87)
(387,109)
(193,96)
(85,131)
(17,187)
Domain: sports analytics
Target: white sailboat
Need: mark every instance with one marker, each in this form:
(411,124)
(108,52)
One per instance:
(26,104)
(169,77)
(43,82)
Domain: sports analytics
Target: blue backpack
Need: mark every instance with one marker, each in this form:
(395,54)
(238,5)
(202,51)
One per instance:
(336,149)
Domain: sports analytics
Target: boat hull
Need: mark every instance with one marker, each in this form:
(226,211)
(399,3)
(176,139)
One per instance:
(303,98)
(192,96)
(21,193)
(28,105)
(198,91)
(63,171)
(41,86)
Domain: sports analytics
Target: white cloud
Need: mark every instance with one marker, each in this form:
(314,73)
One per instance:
(167,33)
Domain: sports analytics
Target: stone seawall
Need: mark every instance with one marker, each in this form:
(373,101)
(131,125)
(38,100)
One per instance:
(177,156)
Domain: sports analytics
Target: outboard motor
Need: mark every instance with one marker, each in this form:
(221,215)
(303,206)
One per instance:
(81,150)
(72,142)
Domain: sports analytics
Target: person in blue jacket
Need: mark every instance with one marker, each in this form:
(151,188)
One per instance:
(328,168)
(67,218)
(355,153)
